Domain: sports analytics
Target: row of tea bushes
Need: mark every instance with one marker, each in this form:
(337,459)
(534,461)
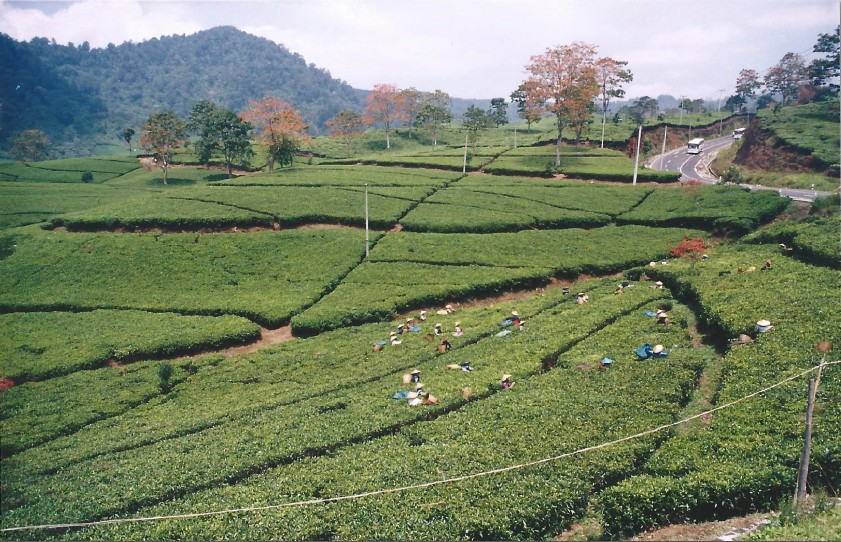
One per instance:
(724,209)
(544,415)
(567,252)
(407,270)
(221,207)
(219,392)
(460,211)
(355,176)
(227,453)
(595,198)
(103,168)
(41,345)
(23,203)
(36,413)
(813,239)
(264,276)
(747,457)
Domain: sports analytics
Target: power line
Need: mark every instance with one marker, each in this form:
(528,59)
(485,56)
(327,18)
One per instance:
(425,484)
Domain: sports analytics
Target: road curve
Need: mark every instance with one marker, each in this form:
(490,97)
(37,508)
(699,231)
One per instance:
(696,167)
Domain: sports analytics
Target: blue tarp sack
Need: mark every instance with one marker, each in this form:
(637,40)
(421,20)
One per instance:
(381,343)
(650,314)
(415,328)
(606,361)
(503,333)
(506,323)
(644,351)
(400,395)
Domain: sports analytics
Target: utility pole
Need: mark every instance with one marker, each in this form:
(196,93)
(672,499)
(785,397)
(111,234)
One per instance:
(464,166)
(663,152)
(803,473)
(367,244)
(637,161)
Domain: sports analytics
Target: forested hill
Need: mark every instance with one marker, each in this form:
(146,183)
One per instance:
(85,97)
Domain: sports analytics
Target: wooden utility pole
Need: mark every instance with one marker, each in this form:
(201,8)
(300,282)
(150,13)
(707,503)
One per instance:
(803,473)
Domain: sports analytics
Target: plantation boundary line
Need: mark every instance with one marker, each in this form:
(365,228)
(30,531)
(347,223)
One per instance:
(426,484)
(534,200)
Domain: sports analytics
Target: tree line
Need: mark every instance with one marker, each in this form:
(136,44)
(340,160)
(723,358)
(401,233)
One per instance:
(567,83)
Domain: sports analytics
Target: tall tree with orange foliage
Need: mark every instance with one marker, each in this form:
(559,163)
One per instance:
(610,74)
(564,78)
(385,106)
(280,127)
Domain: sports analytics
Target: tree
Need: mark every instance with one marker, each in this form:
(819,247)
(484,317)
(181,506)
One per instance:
(163,134)
(564,78)
(346,126)
(474,120)
(221,130)
(746,85)
(580,120)
(199,117)
(433,113)
(786,77)
(29,145)
(527,108)
(642,107)
(410,101)
(734,103)
(825,71)
(280,129)
(384,106)
(610,74)
(127,134)
(498,113)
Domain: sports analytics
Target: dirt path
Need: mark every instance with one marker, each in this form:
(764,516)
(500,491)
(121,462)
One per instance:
(268,337)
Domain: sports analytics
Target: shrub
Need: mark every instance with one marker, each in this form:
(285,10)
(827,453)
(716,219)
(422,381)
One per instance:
(87,177)
(164,374)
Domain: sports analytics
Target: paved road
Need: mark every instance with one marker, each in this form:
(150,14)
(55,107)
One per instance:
(697,167)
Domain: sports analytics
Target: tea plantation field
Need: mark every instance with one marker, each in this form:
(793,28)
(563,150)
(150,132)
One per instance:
(122,401)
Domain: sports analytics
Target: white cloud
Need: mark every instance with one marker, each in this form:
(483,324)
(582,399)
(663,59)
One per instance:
(468,48)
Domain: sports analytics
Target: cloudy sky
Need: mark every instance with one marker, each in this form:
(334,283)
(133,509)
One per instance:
(467,48)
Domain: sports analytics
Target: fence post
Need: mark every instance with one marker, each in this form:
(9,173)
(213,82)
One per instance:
(803,473)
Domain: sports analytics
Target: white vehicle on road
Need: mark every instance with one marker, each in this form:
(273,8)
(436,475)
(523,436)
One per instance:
(695,146)
(738,133)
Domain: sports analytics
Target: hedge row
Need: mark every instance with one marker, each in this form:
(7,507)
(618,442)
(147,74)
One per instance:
(220,392)
(351,175)
(38,413)
(747,457)
(31,203)
(407,270)
(248,206)
(814,239)
(542,416)
(568,252)
(484,214)
(264,276)
(724,209)
(40,345)
(122,481)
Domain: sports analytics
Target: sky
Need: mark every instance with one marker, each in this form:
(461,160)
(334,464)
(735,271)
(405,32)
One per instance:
(472,49)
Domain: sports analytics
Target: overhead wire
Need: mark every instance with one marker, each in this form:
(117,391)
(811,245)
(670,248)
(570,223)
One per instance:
(454,479)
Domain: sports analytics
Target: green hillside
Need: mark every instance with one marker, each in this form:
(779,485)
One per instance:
(85,97)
